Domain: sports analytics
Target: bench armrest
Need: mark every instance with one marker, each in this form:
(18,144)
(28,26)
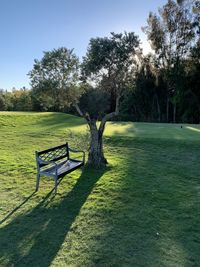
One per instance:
(76,151)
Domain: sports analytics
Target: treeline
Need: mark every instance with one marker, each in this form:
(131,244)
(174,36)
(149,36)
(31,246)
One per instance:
(165,84)
(16,100)
(156,98)
(24,99)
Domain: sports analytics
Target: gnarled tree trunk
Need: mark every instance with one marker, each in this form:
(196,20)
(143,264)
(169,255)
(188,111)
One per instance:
(96,156)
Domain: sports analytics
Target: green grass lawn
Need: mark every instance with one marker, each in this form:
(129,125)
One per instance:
(142,210)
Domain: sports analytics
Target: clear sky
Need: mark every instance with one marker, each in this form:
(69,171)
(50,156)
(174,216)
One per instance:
(29,27)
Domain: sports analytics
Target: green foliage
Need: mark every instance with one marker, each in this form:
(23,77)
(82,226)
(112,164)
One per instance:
(171,34)
(21,100)
(110,53)
(110,60)
(2,103)
(95,102)
(191,99)
(53,79)
(17,100)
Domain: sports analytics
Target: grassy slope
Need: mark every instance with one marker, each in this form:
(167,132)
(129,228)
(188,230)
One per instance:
(143,210)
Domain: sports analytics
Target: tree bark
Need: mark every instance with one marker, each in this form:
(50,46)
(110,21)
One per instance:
(96,155)
(167,110)
(174,114)
(158,108)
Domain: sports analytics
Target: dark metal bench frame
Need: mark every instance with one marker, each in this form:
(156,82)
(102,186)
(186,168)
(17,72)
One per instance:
(50,161)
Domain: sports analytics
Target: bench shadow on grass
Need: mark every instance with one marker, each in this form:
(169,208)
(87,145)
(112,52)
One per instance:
(17,208)
(34,238)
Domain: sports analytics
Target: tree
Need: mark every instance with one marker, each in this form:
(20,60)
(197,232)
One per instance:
(171,34)
(6,100)
(191,102)
(52,79)
(2,101)
(21,99)
(147,89)
(107,70)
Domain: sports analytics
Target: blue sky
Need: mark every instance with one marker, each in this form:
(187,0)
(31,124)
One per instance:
(29,27)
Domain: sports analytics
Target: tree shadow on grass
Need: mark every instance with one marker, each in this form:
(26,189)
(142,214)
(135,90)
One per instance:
(34,238)
(60,120)
(154,212)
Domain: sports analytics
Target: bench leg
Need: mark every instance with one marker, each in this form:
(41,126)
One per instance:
(82,169)
(37,182)
(56,184)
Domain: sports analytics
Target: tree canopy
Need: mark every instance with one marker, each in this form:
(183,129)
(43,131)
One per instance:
(53,78)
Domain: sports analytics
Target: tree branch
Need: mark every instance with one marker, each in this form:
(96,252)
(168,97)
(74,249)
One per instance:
(109,115)
(86,115)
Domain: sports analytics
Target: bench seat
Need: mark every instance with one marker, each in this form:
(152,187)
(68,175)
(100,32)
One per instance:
(62,167)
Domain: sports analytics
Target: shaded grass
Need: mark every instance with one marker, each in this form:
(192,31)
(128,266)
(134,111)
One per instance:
(141,211)
(43,228)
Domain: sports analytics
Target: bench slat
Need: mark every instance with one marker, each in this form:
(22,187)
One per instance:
(54,153)
(51,149)
(63,167)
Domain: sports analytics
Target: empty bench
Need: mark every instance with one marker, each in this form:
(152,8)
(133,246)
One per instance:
(56,163)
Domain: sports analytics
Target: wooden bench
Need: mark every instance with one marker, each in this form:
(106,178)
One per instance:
(56,163)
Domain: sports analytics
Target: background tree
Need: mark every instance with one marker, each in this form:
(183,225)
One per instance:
(3,105)
(52,79)
(147,90)
(21,99)
(16,100)
(171,34)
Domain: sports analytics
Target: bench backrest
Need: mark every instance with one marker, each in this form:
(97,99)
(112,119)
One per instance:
(54,153)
